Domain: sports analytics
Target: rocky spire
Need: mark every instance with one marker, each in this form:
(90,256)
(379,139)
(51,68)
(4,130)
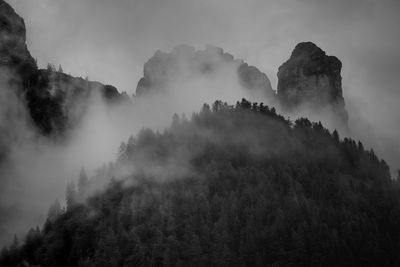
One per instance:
(310,79)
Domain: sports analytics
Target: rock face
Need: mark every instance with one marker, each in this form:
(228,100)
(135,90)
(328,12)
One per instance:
(185,62)
(311,80)
(13,51)
(253,79)
(55,101)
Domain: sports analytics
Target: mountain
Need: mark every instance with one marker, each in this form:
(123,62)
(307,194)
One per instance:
(310,79)
(185,63)
(237,186)
(56,101)
(308,83)
(51,97)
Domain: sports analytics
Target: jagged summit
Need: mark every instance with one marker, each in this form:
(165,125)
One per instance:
(312,79)
(185,61)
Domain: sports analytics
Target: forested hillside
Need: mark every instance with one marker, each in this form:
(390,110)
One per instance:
(233,186)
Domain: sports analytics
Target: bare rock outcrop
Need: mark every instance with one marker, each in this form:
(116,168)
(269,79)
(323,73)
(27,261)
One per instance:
(14,53)
(310,80)
(185,62)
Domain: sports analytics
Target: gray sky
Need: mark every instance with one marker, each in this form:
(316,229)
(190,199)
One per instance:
(109,41)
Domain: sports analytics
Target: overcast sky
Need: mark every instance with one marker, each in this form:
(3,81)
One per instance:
(109,41)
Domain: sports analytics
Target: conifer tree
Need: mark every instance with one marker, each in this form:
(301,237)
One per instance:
(82,182)
(70,195)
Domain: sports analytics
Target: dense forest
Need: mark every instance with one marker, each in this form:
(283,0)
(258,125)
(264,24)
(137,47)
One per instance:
(231,186)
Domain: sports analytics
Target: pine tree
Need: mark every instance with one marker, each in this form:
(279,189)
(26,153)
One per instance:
(122,149)
(83,182)
(71,195)
(175,120)
(54,211)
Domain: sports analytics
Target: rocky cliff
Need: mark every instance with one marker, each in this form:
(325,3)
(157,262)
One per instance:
(311,80)
(187,62)
(14,54)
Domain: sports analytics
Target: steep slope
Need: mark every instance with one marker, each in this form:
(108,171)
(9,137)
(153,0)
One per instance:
(271,194)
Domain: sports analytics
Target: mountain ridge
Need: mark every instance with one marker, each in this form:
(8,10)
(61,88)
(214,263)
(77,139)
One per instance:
(236,185)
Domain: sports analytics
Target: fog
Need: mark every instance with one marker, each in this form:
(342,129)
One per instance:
(110,42)
(37,169)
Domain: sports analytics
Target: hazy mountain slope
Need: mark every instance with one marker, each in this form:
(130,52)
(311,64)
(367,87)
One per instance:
(233,186)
